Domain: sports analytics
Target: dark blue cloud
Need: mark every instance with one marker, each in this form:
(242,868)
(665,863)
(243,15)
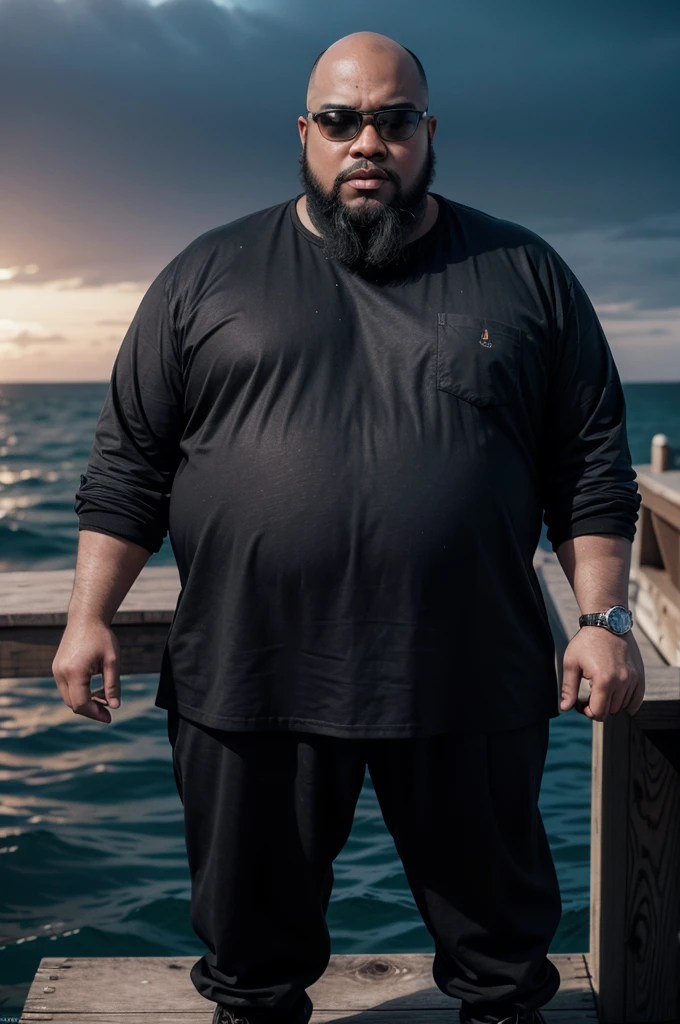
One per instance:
(131,128)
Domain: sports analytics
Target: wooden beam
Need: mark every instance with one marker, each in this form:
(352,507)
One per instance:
(652,928)
(378,987)
(656,609)
(609,854)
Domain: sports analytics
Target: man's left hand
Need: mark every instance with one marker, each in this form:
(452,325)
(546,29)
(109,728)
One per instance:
(613,666)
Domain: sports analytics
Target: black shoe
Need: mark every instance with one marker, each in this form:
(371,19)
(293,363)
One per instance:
(467,1016)
(222,1015)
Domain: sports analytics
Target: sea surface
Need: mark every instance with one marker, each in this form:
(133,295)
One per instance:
(92,857)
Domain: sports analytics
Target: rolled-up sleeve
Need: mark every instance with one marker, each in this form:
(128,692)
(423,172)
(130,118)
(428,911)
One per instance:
(588,478)
(125,490)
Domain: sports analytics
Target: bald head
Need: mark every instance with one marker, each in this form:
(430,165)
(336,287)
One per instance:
(366,54)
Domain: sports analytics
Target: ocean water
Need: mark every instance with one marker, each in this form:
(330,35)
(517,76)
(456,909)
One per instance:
(92,857)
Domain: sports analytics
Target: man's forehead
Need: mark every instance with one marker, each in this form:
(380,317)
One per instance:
(385,77)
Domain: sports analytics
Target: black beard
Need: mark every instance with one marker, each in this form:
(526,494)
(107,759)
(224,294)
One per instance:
(370,237)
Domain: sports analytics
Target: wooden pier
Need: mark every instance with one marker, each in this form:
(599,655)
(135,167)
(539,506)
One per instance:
(371,989)
(631,972)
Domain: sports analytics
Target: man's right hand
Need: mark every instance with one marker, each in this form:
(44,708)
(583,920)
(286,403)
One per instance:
(88,647)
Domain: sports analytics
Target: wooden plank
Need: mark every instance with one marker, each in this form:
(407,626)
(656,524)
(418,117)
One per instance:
(28,651)
(609,864)
(668,543)
(417,1016)
(665,485)
(41,597)
(634,955)
(652,925)
(125,988)
(656,608)
(660,505)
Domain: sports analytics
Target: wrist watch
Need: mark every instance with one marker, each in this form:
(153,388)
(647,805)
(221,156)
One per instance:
(617,619)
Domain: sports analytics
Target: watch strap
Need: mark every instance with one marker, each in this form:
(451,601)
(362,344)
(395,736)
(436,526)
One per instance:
(593,619)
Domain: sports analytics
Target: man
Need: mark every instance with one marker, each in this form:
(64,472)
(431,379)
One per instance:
(351,410)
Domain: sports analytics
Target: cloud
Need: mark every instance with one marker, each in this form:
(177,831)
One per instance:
(18,273)
(14,329)
(26,338)
(654,227)
(133,127)
(19,338)
(614,264)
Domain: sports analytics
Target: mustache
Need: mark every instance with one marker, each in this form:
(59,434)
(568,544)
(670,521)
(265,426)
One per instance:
(363,165)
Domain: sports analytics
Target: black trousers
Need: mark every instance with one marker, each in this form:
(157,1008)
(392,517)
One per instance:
(266,813)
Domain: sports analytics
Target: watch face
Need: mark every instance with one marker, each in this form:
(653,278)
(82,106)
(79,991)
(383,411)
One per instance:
(619,619)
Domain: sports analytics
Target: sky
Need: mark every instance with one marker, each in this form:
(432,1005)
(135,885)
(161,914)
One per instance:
(129,127)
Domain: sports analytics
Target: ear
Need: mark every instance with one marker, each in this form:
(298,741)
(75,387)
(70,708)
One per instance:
(432,126)
(303,128)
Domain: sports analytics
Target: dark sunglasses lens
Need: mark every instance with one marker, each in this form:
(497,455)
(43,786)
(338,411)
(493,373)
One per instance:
(339,124)
(397,125)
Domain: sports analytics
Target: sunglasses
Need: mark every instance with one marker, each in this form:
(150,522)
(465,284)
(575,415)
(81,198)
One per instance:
(395,125)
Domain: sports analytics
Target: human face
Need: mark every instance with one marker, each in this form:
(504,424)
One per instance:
(366,82)
(359,223)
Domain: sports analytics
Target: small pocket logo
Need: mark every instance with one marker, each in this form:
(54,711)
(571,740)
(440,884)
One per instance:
(484,339)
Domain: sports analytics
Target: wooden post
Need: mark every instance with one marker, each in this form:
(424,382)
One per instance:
(634,955)
(609,864)
(660,454)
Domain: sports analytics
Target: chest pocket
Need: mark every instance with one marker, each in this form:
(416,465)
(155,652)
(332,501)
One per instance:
(477,358)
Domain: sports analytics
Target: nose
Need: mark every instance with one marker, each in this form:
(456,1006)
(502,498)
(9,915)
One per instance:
(368,143)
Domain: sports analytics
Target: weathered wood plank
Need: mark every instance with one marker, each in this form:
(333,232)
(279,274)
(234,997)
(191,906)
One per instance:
(634,875)
(41,597)
(656,609)
(28,651)
(416,1016)
(666,484)
(124,988)
(609,851)
(652,927)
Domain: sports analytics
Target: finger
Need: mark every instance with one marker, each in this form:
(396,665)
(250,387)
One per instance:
(583,696)
(637,698)
(619,694)
(636,682)
(62,686)
(111,675)
(629,694)
(600,699)
(81,701)
(571,679)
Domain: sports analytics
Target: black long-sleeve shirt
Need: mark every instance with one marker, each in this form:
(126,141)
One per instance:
(353,469)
